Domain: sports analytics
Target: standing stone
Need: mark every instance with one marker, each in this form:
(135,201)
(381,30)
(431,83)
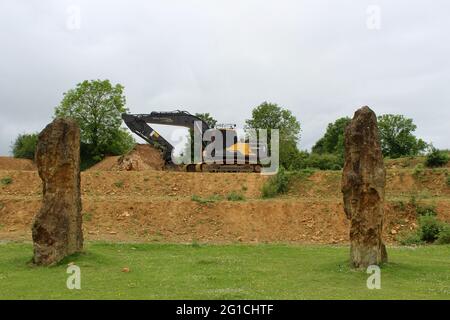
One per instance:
(363,183)
(57,226)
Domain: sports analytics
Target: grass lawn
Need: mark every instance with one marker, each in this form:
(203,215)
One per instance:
(166,271)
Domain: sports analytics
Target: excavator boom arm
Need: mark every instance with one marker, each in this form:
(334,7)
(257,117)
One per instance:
(139,124)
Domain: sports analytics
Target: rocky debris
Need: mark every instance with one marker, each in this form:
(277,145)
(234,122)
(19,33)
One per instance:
(142,157)
(57,227)
(363,186)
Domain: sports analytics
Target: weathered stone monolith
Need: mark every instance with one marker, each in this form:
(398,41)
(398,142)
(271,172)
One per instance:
(57,226)
(363,185)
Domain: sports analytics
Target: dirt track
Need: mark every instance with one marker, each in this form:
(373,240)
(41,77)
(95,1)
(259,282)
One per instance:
(158,206)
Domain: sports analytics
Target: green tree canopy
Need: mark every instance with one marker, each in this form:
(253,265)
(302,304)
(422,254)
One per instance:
(25,146)
(210,121)
(270,116)
(97,106)
(333,140)
(397,138)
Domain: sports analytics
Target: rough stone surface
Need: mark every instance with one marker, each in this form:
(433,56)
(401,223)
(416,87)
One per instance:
(57,226)
(363,186)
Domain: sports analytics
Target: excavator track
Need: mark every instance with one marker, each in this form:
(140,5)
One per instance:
(205,167)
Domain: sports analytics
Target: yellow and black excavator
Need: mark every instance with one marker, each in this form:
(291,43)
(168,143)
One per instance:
(249,154)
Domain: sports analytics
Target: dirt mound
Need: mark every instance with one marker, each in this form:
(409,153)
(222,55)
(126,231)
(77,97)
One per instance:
(106,164)
(10,163)
(141,157)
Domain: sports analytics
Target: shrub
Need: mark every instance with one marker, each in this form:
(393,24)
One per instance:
(207,200)
(25,146)
(410,238)
(324,161)
(430,228)
(87,159)
(448,181)
(276,184)
(235,196)
(444,235)
(121,143)
(436,158)
(418,170)
(304,173)
(6,180)
(426,210)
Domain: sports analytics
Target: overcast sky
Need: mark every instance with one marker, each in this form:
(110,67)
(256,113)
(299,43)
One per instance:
(320,59)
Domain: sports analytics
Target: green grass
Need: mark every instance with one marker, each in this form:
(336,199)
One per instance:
(119,184)
(6,180)
(207,200)
(235,196)
(87,216)
(165,271)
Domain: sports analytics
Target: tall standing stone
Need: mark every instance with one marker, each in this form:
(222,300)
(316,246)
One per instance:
(57,226)
(363,186)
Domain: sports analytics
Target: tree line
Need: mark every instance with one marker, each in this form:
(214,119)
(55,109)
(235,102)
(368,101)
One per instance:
(97,106)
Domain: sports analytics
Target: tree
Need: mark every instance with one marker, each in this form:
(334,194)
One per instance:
(333,140)
(290,156)
(121,142)
(97,106)
(436,157)
(25,146)
(270,116)
(210,121)
(397,138)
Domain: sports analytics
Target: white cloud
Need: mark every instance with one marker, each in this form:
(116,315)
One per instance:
(315,57)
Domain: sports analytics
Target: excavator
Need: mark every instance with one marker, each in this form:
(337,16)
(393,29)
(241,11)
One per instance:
(250,154)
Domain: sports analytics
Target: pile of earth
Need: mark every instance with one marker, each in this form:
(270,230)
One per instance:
(9,163)
(141,157)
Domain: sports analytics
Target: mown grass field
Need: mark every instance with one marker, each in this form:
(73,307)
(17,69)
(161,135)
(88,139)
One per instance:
(165,271)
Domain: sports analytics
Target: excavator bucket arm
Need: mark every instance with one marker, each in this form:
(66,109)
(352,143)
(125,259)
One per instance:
(139,124)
